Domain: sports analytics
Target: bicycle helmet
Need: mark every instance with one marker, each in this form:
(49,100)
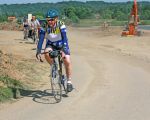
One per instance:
(52,14)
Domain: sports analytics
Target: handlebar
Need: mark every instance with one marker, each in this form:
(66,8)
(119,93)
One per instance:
(52,54)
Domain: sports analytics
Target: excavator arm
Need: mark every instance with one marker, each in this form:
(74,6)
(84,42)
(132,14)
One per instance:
(133,21)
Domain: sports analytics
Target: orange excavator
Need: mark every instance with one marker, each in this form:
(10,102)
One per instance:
(131,28)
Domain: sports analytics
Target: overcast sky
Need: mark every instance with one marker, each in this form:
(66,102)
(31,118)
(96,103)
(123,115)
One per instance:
(35,1)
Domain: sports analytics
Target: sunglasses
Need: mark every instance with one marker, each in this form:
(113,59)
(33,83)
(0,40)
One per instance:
(50,19)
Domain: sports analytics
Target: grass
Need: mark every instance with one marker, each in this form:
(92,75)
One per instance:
(8,90)
(11,82)
(100,22)
(5,94)
(118,23)
(145,22)
(89,22)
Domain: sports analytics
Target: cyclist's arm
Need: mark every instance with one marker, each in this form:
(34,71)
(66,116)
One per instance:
(41,40)
(38,23)
(64,34)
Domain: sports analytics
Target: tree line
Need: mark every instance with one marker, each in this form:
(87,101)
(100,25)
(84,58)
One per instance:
(75,10)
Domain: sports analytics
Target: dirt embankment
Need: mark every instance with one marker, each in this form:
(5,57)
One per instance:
(8,66)
(14,26)
(17,59)
(21,69)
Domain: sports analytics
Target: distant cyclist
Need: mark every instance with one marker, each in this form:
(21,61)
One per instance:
(55,34)
(25,28)
(34,26)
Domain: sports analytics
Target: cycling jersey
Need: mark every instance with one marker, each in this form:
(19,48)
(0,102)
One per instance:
(34,24)
(54,36)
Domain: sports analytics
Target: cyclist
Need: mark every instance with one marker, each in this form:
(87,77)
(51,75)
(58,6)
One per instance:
(34,25)
(25,28)
(56,36)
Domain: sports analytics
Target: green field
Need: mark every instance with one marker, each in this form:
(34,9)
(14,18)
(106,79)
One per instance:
(100,22)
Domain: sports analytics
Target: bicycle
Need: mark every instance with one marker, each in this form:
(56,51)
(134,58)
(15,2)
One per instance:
(58,77)
(34,36)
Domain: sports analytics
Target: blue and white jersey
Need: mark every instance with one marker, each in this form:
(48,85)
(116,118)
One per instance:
(56,35)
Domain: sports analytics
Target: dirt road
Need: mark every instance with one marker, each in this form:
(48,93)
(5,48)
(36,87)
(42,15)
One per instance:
(111,75)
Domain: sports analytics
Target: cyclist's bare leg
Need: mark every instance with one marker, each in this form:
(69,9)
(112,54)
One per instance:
(32,31)
(67,63)
(47,57)
(25,33)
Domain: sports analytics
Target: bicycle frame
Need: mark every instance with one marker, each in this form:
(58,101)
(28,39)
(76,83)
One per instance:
(57,74)
(57,66)
(60,68)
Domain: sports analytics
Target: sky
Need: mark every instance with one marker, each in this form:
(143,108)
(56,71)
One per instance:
(54,1)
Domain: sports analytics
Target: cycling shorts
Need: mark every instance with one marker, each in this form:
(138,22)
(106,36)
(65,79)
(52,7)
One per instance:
(57,44)
(26,25)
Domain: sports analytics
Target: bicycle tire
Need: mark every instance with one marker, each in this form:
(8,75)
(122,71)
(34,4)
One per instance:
(64,84)
(56,83)
(34,37)
(64,78)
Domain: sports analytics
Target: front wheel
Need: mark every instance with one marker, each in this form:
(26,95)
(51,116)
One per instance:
(64,83)
(56,83)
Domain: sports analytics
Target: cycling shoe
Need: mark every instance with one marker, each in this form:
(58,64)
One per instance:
(69,87)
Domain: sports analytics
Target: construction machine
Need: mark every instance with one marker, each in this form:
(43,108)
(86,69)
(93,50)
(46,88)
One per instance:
(132,26)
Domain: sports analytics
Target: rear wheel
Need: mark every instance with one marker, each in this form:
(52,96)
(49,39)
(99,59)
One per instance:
(56,83)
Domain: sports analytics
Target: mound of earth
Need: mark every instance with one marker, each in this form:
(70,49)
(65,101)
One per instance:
(11,26)
(8,66)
